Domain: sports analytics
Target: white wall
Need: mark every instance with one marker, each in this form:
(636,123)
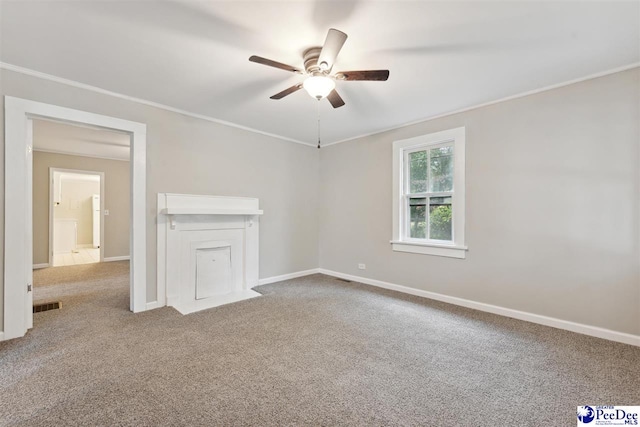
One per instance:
(552,206)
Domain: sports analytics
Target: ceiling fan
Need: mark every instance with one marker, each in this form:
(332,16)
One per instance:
(318,62)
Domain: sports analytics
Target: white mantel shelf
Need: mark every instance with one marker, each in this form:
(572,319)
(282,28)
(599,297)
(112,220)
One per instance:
(209,211)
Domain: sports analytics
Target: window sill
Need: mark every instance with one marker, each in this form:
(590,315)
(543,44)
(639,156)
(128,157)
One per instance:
(449,251)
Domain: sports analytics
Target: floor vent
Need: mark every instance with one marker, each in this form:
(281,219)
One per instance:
(343,280)
(37,308)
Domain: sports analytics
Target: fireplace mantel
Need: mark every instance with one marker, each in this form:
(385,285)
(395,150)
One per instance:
(170,212)
(207,249)
(210,211)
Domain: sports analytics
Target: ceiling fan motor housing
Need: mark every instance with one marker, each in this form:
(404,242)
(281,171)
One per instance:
(310,57)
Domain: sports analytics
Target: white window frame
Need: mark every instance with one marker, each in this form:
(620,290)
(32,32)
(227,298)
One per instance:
(401,242)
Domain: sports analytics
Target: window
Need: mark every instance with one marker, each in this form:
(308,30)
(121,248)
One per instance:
(428,184)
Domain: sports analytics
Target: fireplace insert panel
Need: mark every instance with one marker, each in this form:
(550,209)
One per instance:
(213,272)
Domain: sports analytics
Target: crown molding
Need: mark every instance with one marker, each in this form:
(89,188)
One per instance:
(73,83)
(497,101)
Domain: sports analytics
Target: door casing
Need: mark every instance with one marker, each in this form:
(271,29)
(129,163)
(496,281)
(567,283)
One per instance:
(18,239)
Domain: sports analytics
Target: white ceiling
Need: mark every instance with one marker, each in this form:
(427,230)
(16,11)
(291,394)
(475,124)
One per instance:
(443,56)
(64,138)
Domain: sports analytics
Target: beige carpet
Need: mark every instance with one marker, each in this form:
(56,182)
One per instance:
(311,351)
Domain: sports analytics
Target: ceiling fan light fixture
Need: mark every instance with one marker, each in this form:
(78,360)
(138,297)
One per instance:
(319,87)
(318,63)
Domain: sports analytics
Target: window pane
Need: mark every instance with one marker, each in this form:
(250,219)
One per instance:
(418,218)
(418,172)
(441,166)
(440,218)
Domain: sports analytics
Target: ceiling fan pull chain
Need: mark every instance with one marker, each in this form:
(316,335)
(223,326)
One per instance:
(318,124)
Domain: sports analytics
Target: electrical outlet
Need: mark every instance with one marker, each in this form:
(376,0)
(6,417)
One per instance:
(106,212)
(362,267)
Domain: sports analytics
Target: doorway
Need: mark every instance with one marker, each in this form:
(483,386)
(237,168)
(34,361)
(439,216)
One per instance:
(76,228)
(18,260)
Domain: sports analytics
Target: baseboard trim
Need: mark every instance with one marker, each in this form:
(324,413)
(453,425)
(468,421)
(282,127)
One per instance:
(153,305)
(39,266)
(553,322)
(282,277)
(1,336)
(116,258)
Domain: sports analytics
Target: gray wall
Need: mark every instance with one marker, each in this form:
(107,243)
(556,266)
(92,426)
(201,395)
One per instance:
(552,206)
(188,155)
(116,188)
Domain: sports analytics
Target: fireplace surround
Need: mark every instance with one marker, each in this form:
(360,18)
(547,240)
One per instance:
(207,250)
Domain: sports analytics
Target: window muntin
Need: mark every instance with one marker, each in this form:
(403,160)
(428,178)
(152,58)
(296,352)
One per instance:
(428,192)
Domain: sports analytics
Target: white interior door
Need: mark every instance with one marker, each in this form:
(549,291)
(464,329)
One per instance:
(96,219)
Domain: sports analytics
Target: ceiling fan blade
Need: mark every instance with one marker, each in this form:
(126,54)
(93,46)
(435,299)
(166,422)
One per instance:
(371,75)
(335,99)
(270,63)
(332,45)
(287,91)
